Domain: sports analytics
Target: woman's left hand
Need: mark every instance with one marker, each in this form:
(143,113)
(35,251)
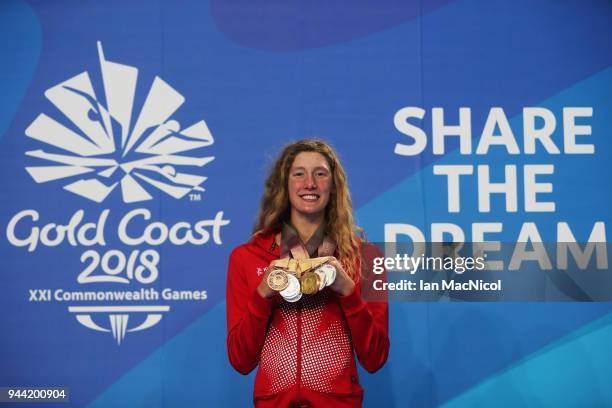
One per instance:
(343,284)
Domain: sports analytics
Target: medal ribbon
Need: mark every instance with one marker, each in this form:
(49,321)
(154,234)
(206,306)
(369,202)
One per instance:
(292,246)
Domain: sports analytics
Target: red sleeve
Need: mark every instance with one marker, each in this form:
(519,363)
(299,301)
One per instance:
(368,321)
(247,317)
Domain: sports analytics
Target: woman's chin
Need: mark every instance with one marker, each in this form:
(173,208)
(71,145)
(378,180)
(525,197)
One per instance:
(310,212)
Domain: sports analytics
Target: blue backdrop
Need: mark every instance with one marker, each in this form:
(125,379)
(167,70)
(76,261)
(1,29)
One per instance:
(101,127)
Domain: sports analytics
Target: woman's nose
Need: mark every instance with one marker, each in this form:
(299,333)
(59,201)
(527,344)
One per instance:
(310,182)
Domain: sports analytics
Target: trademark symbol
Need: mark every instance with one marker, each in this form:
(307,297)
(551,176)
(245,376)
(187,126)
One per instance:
(195,197)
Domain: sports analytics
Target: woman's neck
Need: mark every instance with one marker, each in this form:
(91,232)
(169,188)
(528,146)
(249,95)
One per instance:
(306,226)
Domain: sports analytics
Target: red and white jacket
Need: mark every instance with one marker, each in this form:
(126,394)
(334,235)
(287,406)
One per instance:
(305,350)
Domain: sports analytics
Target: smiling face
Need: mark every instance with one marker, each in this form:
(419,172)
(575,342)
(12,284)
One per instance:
(309,185)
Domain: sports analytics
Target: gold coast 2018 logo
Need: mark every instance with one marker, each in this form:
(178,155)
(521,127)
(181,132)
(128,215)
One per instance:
(147,152)
(93,150)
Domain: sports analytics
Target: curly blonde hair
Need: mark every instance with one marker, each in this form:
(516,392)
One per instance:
(275,206)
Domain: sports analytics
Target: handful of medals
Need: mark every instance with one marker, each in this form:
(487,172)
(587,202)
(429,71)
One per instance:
(294,277)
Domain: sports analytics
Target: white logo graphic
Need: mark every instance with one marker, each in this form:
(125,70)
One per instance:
(101,142)
(118,317)
(95,144)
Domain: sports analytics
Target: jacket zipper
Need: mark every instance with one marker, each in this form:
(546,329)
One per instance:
(299,348)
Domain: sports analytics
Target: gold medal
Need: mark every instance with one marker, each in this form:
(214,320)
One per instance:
(278,280)
(310,282)
(302,272)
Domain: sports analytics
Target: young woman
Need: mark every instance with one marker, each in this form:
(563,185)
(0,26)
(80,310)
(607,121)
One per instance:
(305,349)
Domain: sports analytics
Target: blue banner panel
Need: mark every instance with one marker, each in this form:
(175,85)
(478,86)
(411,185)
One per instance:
(135,138)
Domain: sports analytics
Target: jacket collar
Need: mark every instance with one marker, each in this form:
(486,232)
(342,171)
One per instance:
(267,241)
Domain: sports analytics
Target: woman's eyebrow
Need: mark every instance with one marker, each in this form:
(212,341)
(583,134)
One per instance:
(314,168)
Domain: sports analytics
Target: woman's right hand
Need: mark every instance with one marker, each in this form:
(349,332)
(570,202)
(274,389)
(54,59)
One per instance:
(263,289)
